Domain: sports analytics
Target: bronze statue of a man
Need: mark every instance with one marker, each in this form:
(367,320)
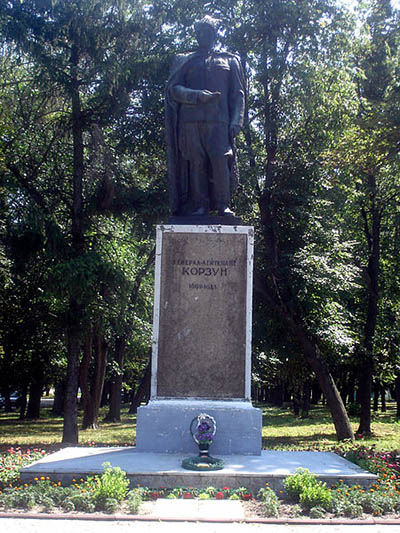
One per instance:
(204,112)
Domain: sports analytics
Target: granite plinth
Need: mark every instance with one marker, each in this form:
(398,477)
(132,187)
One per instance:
(202,312)
(165,470)
(164,427)
(201,341)
(201,349)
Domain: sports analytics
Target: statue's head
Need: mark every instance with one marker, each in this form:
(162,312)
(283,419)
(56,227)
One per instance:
(206,31)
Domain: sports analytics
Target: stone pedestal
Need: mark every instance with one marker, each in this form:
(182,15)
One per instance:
(202,340)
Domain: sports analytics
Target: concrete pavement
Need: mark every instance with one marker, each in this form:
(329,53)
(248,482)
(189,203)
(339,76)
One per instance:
(164,470)
(26,525)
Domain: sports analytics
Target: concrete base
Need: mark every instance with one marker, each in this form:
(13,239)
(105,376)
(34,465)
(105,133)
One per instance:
(165,470)
(163,427)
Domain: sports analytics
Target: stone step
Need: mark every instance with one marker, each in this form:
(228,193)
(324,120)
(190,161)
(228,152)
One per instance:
(157,470)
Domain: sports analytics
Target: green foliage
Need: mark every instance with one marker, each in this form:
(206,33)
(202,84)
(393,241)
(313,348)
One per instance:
(317,512)
(109,505)
(295,483)
(377,500)
(319,150)
(296,510)
(111,485)
(133,501)
(317,495)
(304,487)
(270,500)
(102,493)
(79,501)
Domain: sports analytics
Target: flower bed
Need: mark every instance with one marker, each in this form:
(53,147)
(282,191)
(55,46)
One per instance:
(13,459)
(303,495)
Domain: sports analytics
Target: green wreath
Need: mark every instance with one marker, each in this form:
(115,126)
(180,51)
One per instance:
(202,463)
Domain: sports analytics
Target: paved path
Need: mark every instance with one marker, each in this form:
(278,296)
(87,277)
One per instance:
(25,525)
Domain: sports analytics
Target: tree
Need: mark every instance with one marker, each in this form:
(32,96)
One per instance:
(368,152)
(283,43)
(88,53)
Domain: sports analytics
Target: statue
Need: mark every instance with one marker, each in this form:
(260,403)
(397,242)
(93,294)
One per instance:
(205,102)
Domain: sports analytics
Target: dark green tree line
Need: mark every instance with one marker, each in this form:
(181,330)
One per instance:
(84,181)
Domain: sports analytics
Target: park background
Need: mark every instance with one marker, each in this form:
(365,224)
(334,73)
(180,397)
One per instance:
(83,184)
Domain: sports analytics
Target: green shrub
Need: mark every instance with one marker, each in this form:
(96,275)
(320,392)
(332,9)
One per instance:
(79,501)
(352,510)
(295,484)
(305,488)
(47,491)
(378,503)
(270,500)
(12,498)
(271,504)
(113,484)
(133,501)
(110,505)
(68,506)
(317,512)
(317,495)
(296,510)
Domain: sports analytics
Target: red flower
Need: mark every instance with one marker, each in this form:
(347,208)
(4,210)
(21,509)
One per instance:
(187,496)
(246,496)
(219,496)
(154,495)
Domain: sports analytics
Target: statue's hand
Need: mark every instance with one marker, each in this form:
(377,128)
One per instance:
(234,130)
(206,96)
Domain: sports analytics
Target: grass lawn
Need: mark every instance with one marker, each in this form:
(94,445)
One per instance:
(281,429)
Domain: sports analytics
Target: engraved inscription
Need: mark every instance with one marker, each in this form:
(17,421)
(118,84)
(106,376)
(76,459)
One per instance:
(209,268)
(203,327)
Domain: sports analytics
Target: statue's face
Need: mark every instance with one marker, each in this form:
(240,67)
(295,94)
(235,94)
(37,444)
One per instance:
(205,36)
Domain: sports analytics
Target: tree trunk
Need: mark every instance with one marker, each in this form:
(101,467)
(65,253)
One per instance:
(306,399)
(23,403)
(143,390)
(86,398)
(312,354)
(366,367)
(383,399)
(376,395)
(327,384)
(35,395)
(397,395)
(76,310)
(296,403)
(92,389)
(59,394)
(315,393)
(114,414)
(105,396)
(70,427)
